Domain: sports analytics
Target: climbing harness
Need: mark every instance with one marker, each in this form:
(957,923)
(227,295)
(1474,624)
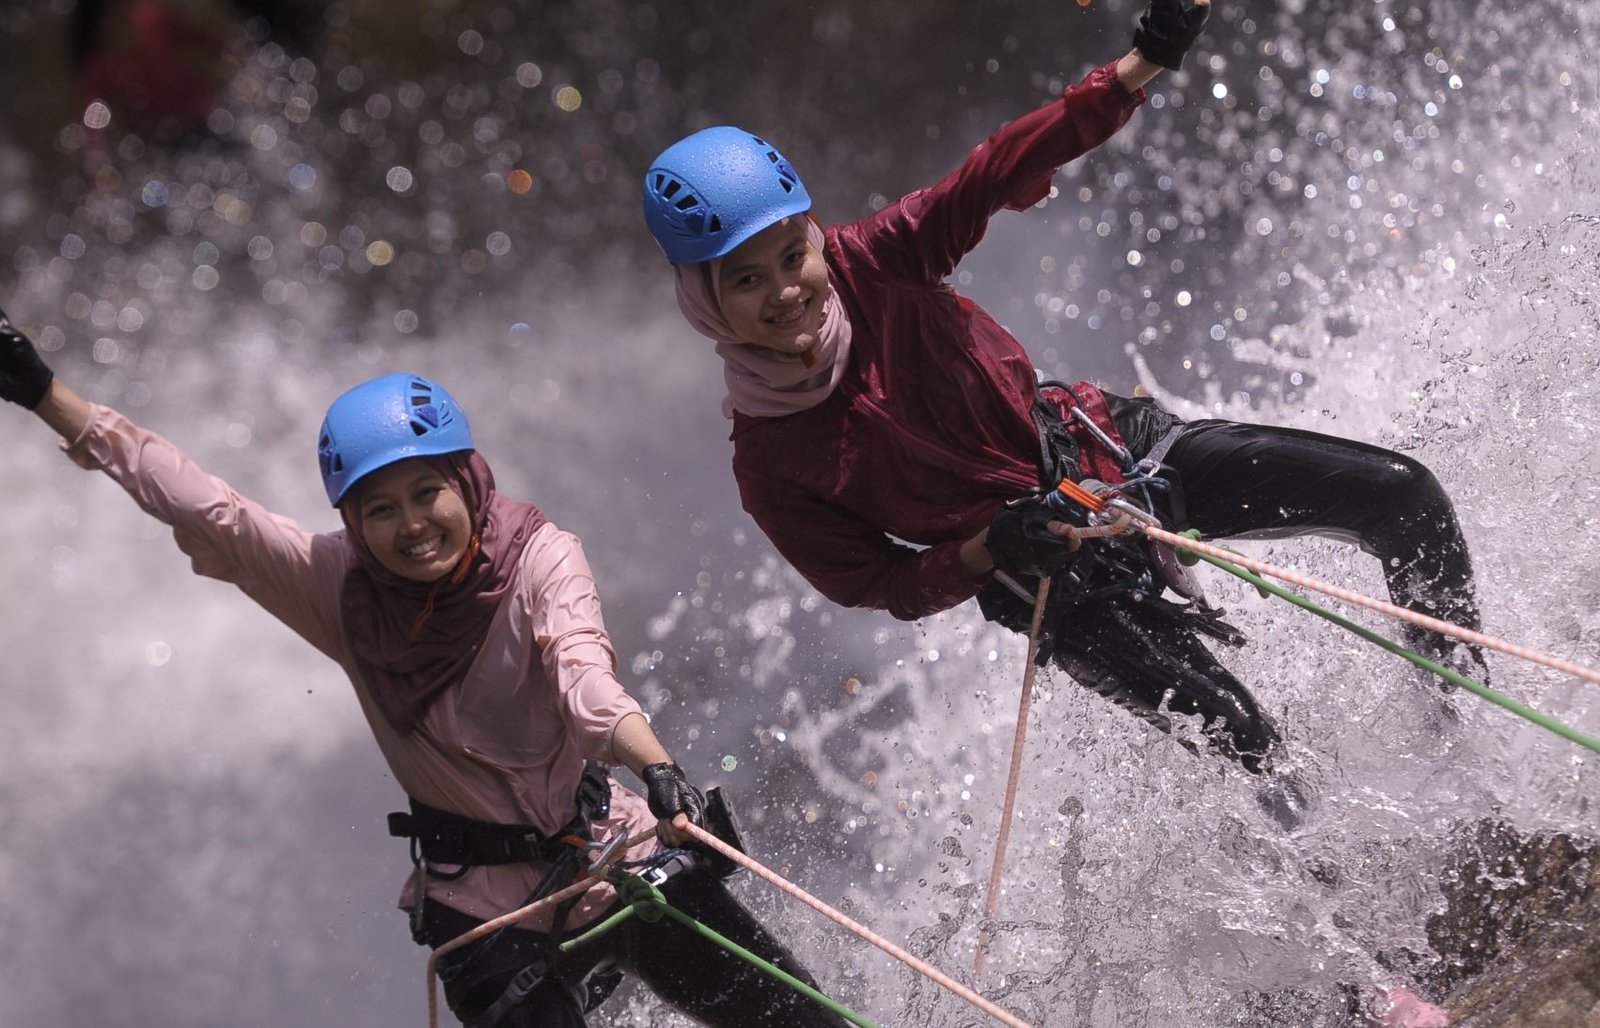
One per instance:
(1108,620)
(604,857)
(608,866)
(1114,565)
(921,967)
(642,897)
(440,837)
(501,844)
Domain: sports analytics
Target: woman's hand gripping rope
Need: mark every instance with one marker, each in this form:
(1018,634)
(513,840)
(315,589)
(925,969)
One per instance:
(1033,536)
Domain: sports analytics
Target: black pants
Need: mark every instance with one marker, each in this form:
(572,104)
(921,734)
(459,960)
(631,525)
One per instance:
(693,974)
(1261,481)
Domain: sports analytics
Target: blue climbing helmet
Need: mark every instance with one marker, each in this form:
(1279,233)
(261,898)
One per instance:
(383,421)
(712,190)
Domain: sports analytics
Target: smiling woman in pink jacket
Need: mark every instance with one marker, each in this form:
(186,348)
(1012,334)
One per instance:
(470,628)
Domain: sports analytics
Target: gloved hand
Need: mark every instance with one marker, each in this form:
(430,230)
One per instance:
(24,378)
(1167,30)
(1021,543)
(669,793)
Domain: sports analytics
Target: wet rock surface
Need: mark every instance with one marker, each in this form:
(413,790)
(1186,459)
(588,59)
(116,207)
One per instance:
(1518,937)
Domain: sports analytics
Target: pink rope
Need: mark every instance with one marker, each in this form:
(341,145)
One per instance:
(596,876)
(1018,741)
(1117,527)
(925,969)
(1360,600)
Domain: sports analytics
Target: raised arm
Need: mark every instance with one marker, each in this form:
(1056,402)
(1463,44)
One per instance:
(924,235)
(292,573)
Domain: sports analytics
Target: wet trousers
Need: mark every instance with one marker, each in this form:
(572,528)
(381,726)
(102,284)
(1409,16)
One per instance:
(691,973)
(1240,480)
(1259,481)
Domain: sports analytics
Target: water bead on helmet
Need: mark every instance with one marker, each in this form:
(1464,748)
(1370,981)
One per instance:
(712,190)
(383,421)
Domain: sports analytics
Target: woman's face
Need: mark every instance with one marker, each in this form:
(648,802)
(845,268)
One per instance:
(413,520)
(772,288)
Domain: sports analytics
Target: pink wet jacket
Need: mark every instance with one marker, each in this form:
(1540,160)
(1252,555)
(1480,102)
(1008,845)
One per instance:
(506,744)
(929,431)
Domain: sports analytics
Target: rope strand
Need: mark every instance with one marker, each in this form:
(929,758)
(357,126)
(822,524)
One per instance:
(921,967)
(1522,710)
(490,927)
(1466,635)
(1018,742)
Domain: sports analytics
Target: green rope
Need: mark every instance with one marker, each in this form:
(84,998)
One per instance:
(645,900)
(1265,588)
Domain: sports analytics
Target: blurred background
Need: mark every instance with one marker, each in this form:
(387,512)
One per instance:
(1378,220)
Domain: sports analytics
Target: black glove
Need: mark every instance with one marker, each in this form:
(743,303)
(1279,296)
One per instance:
(1020,543)
(1167,30)
(670,793)
(24,379)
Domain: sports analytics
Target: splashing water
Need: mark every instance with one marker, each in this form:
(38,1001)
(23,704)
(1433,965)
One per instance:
(1377,221)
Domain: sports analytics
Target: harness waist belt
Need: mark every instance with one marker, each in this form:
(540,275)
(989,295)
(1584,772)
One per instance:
(447,838)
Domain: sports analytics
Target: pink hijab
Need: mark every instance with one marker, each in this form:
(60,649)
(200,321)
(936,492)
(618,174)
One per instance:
(763,383)
(412,640)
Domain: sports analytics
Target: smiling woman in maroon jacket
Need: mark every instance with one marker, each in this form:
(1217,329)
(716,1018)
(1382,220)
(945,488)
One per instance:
(895,443)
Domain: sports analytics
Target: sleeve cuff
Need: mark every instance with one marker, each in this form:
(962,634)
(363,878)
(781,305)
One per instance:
(77,449)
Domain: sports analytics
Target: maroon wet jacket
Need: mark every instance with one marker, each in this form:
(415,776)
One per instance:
(929,431)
